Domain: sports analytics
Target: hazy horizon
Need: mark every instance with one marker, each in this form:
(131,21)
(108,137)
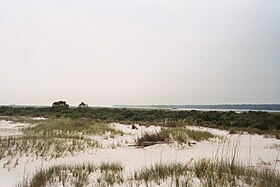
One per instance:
(116,105)
(139,52)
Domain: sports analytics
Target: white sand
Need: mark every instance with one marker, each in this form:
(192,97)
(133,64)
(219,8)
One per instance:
(38,118)
(9,128)
(252,150)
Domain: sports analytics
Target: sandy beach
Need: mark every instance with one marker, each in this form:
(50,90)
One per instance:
(250,150)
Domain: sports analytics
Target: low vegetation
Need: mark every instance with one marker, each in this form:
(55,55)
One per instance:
(160,173)
(70,126)
(45,146)
(105,174)
(68,131)
(208,173)
(181,134)
(200,173)
(231,174)
(54,138)
(256,122)
(169,135)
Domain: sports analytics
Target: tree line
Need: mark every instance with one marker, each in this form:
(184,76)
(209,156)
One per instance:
(262,121)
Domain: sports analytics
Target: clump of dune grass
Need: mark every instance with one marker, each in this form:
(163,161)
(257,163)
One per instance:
(44,146)
(149,137)
(72,126)
(221,173)
(180,135)
(111,173)
(107,166)
(105,174)
(160,173)
(208,173)
(61,174)
(55,138)
(202,173)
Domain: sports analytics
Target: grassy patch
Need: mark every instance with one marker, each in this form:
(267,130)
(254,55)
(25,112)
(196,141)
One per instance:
(71,126)
(149,137)
(230,174)
(106,174)
(202,173)
(44,146)
(251,121)
(160,172)
(54,138)
(180,135)
(208,173)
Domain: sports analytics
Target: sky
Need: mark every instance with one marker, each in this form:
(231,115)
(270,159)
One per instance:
(107,52)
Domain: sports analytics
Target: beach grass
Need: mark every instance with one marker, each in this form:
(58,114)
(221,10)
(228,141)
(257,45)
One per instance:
(106,174)
(202,173)
(44,146)
(67,125)
(169,135)
(55,138)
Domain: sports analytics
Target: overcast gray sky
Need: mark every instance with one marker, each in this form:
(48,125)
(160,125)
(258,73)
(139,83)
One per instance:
(108,52)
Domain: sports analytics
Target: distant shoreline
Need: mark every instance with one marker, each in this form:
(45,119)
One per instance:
(218,107)
(226,107)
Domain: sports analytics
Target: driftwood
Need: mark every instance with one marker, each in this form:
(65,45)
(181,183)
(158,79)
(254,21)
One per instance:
(191,143)
(147,143)
(150,143)
(134,127)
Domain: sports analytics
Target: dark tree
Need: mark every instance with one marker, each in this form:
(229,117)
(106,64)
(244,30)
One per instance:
(60,104)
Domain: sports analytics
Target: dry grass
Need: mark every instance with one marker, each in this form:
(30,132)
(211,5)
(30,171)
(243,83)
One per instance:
(202,173)
(180,135)
(232,174)
(105,174)
(54,138)
(44,146)
(70,126)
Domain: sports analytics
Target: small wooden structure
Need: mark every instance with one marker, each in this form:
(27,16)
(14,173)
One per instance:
(83,105)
